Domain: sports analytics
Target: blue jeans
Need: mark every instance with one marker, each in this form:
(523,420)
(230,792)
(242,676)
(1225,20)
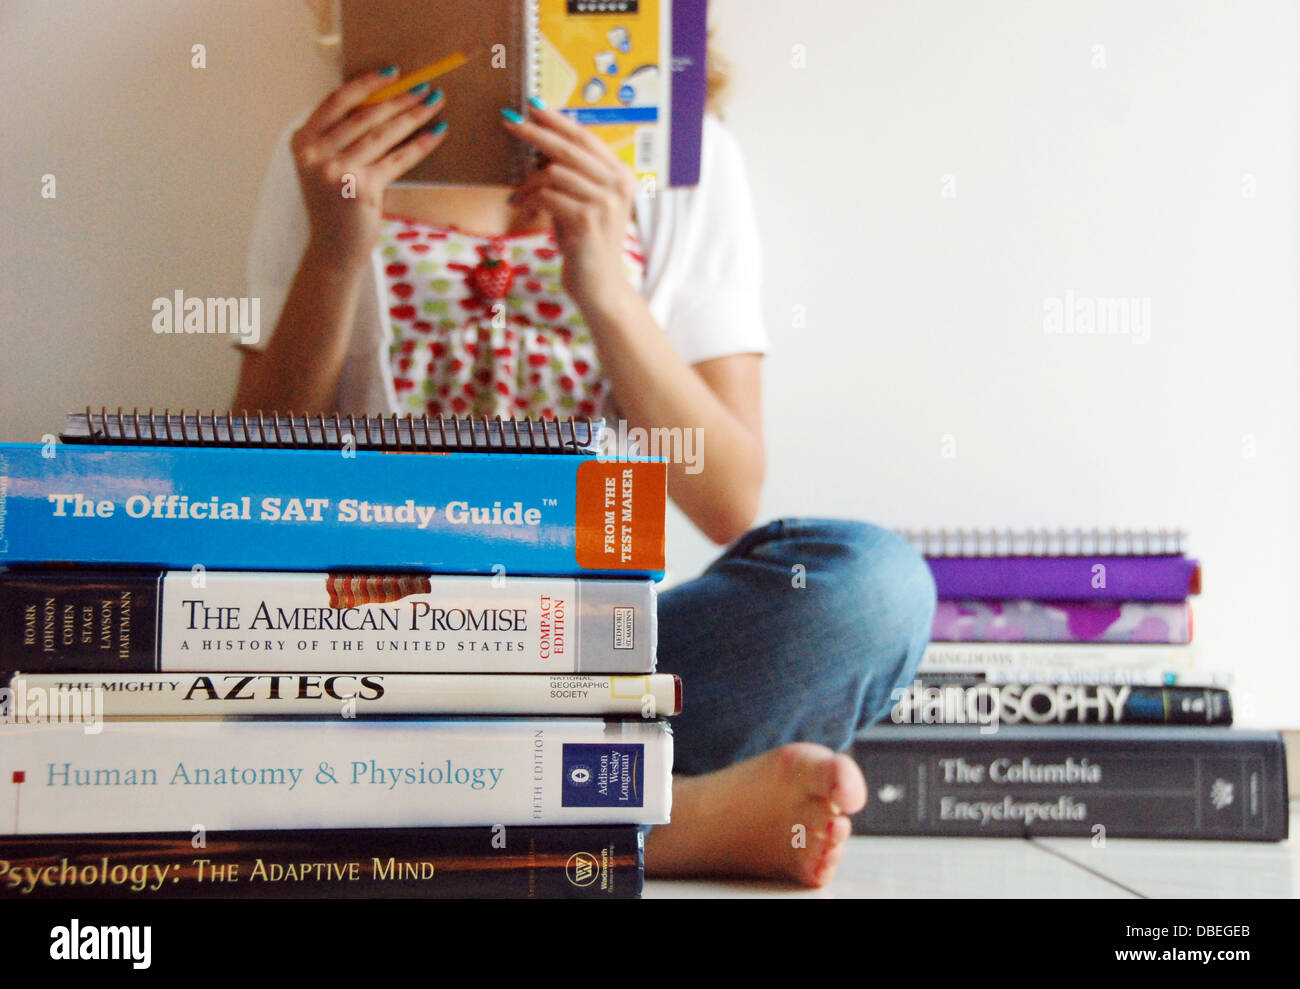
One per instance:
(799,632)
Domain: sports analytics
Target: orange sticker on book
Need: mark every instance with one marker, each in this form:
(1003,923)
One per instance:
(620,508)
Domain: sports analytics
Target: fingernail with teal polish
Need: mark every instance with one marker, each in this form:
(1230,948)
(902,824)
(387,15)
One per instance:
(388,72)
(419,89)
(433,97)
(438,128)
(535,101)
(511,115)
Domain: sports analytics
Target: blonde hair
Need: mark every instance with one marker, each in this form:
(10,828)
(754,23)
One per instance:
(328,39)
(718,70)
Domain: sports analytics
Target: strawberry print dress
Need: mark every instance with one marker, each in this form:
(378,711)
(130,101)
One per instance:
(481,326)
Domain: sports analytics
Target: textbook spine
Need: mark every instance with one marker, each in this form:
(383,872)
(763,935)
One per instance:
(136,621)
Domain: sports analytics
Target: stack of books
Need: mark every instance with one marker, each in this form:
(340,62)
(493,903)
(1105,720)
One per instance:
(1061,694)
(282,657)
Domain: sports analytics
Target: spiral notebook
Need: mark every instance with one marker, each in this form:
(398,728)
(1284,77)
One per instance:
(1047,542)
(633,71)
(1058,564)
(402,434)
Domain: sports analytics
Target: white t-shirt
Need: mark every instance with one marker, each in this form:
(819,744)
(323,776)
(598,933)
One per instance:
(701,284)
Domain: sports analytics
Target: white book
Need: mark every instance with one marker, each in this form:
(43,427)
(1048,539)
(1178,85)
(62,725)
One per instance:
(1154,677)
(138,621)
(240,775)
(977,656)
(346,695)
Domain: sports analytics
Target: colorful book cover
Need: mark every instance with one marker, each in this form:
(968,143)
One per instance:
(1075,578)
(1116,781)
(608,66)
(129,776)
(345,695)
(1160,622)
(406,863)
(80,620)
(259,509)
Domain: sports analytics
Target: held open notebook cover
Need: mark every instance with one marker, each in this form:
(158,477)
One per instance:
(632,71)
(413,34)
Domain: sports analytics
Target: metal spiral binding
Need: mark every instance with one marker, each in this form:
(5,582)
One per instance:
(530,29)
(1046,542)
(280,431)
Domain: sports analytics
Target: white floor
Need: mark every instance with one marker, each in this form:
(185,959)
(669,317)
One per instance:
(885,868)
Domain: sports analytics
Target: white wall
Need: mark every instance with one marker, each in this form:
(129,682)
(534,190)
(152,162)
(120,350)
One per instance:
(924,313)
(157,166)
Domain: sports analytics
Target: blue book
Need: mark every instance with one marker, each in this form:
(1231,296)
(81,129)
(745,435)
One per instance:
(267,509)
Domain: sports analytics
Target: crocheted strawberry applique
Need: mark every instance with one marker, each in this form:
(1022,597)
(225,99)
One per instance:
(490,279)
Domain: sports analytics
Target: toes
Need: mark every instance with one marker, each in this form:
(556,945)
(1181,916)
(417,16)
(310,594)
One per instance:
(829,831)
(839,830)
(847,787)
(825,774)
(797,758)
(824,869)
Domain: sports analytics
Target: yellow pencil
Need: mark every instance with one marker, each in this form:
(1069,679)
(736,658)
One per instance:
(430,72)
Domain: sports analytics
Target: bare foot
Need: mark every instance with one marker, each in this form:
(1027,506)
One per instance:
(781,814)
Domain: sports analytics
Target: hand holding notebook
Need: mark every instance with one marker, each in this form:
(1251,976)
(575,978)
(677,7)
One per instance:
(347,154)
(587,192)
(599,67)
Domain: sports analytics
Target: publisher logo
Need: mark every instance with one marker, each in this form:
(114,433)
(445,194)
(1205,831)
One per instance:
(608,774)
(582,869)
(624,628)
(1221,794)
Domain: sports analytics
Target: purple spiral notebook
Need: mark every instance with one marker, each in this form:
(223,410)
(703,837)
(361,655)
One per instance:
(1073,578)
